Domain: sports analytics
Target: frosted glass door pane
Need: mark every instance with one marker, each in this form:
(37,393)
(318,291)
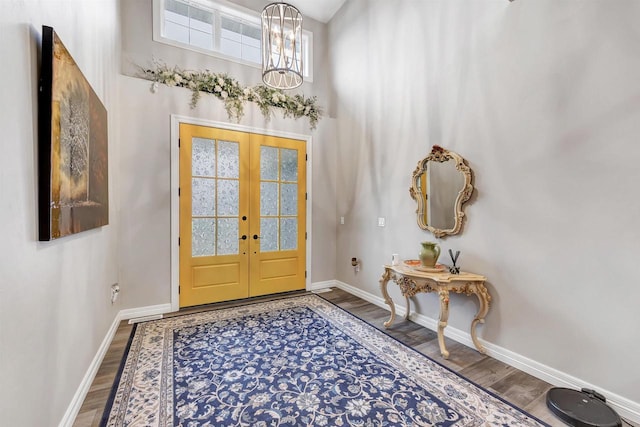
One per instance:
(289,199)
(289,165)
(228,159)
(268,163)
(228,197)
(203,237)
(288,233)
(228,236)
(203,197)
(268,198)
(203,157)
(268,234)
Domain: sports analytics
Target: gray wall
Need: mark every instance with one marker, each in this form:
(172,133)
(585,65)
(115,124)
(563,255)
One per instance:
(543,99)
(54,297)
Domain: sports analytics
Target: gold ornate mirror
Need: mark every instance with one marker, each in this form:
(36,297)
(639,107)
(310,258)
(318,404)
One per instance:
(441,184)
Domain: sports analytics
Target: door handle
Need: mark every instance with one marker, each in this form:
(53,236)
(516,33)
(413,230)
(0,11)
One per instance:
(256,237)
(244,237)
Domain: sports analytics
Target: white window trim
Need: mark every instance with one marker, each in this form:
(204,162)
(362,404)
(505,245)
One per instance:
(231,9)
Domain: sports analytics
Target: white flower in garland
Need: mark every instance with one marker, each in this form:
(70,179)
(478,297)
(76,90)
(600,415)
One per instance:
(232,94)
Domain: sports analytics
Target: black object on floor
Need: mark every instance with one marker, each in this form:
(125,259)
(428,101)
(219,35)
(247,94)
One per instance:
(586,408)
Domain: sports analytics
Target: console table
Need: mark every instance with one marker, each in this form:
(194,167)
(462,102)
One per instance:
(412,282)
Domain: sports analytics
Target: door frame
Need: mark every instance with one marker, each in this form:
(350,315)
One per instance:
(176,120)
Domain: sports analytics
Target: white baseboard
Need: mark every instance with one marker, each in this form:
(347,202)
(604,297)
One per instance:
(151,310)
(74,407)
(316,286)
(367,296)
(76,403)
(624,407)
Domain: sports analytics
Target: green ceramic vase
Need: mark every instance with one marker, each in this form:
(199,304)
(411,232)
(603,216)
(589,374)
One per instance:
(429,254)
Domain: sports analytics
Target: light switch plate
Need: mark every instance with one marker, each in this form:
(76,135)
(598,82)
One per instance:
(342,220)
(381,222)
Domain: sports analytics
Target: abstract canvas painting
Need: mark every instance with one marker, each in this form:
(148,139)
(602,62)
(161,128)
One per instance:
(72,146)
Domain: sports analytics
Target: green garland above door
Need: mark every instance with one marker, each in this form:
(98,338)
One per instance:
(234,96)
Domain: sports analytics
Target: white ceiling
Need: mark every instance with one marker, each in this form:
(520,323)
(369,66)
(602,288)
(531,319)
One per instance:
(320,10)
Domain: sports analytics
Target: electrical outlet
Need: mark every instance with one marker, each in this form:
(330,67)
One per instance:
(342,220)
(381,222)
(115,290)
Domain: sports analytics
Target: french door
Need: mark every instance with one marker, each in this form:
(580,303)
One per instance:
(242,215)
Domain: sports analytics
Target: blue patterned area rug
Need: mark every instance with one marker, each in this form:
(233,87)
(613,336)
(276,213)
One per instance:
(298,361)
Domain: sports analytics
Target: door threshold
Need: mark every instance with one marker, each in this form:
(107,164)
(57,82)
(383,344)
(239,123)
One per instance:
(240,302)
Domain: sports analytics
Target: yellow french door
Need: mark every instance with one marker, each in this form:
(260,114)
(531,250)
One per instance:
(242,215)
(278,217)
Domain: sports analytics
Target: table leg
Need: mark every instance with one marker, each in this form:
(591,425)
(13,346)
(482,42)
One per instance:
(444,317)
(387,299)
(485,299)
(406,316)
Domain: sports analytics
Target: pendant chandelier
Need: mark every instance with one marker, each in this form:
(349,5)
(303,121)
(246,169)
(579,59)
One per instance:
(281,46)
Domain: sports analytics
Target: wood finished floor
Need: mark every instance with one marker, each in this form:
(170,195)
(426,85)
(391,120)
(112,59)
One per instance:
(517,387)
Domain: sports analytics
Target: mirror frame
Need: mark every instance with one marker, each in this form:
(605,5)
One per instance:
(439,154)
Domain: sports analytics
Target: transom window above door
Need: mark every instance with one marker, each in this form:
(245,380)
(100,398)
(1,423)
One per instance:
(218,28)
